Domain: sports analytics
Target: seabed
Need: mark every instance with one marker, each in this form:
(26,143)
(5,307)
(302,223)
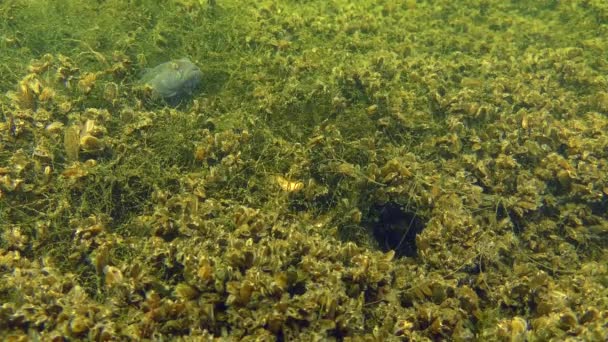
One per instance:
(346,171)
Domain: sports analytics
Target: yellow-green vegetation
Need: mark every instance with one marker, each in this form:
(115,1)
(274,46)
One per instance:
(349,170)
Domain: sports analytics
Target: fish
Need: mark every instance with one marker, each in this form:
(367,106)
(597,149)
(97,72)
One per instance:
(174,81)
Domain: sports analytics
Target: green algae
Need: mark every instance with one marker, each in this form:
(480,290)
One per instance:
(349,170)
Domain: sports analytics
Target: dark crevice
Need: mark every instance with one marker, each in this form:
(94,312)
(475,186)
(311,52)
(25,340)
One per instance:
(395,228)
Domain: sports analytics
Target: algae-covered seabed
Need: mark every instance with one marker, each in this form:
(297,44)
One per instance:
(349,170)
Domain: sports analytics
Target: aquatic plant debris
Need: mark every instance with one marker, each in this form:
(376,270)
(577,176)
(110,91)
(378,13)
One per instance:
(173,81)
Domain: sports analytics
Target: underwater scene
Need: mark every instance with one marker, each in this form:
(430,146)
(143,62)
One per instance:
(284,170)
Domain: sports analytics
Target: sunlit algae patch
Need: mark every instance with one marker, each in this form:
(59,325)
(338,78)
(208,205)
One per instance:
(173,81)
